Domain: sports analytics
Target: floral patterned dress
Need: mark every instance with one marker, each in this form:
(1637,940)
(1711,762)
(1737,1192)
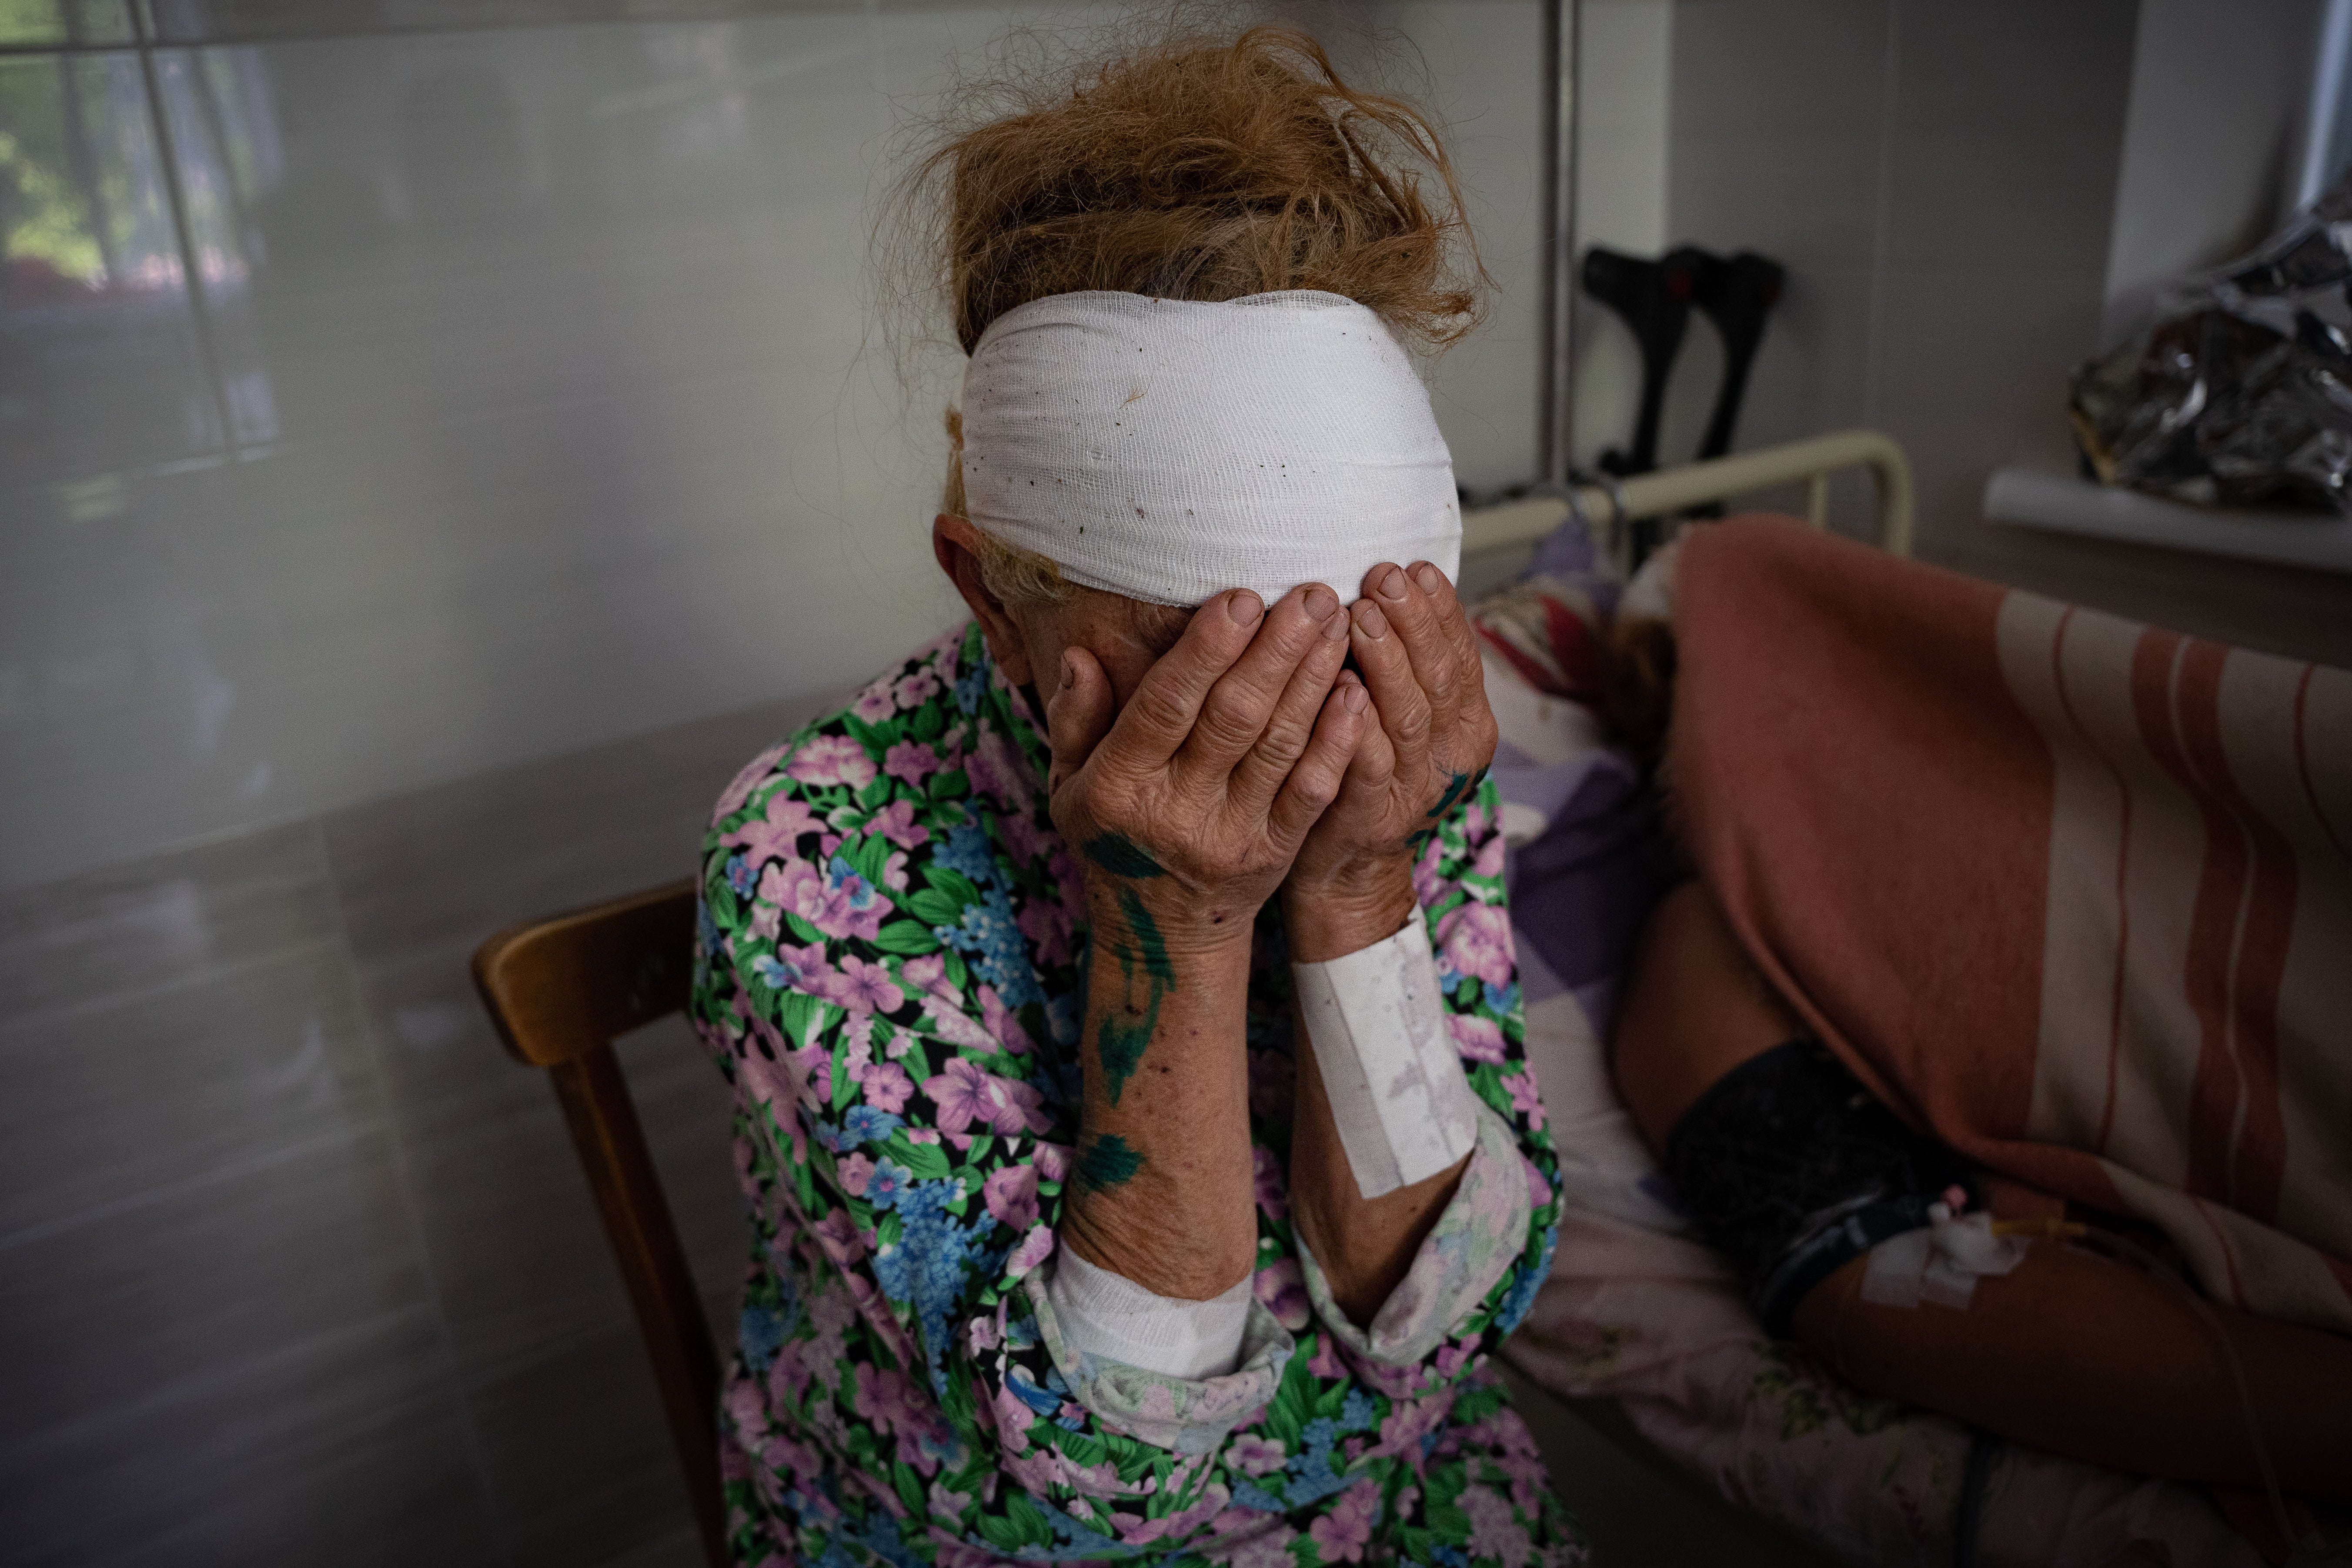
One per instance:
(888,969)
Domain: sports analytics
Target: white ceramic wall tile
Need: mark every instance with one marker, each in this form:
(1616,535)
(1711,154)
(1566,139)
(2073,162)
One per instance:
(1779,117)
(524,397)
(1625,85)
(1484,68)
(2007,134)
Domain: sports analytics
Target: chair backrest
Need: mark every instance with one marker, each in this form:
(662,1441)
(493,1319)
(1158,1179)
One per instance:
(560,991)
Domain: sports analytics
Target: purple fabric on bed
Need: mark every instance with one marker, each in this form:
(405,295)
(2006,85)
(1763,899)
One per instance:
(1581,891)
(1567,553)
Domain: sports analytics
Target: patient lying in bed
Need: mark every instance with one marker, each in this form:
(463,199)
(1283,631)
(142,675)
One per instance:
(1823,1200)
(1792,1171)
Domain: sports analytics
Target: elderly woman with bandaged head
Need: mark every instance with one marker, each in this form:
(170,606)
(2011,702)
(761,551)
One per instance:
(1118,993)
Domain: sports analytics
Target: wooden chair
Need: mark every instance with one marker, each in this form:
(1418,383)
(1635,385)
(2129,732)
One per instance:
(560,991)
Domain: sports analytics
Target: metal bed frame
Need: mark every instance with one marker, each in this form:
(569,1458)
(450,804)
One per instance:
(1614,503)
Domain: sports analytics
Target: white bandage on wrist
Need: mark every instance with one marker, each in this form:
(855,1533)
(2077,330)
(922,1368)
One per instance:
(1171,449)
(1376,1020)
(1108,1315)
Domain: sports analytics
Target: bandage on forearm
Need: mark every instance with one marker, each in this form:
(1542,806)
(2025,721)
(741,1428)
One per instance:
(1376,1022)
(1106,1314)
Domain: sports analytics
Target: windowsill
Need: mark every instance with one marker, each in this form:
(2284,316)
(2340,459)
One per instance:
(2034,498)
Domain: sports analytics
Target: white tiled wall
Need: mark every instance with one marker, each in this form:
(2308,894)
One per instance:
(526,396)
(1941,182)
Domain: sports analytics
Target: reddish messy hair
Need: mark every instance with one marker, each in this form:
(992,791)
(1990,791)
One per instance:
(1199,169)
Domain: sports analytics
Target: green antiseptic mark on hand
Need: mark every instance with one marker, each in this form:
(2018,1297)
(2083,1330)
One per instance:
(1123,857)
(1454,789)
(1147,938)
(1120,1046)
(1121,1041)
(1106,1163)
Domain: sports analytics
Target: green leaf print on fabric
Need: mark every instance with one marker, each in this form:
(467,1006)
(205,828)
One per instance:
(906,1117)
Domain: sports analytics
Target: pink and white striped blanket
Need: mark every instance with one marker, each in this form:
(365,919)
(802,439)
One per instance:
(2074,893)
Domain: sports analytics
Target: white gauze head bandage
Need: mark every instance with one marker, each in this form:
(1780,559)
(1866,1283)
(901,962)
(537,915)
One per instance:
(1169,449)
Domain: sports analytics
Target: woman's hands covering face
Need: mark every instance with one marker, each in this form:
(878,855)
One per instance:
(1196,795)
(1432,744)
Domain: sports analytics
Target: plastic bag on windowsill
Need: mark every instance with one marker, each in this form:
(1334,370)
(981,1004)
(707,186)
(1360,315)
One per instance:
(2241,393)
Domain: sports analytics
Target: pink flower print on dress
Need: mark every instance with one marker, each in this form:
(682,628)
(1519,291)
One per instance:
(836,1232)
(789,1376)
(1428,879)
(887,1087)
(999,1021)
(855,1170)
(1034,1249)
(1024,839)
(889,1400)
(1282,1287)
(1494,1533)
(1255,1456)
(831,760)
(1344,1532)
(917,688)
(895,821)
(1478,1039)
(875,703)
(1265,1178)
(1047,924)
(912,761)
(796,969)
(1475,939)
(929,975)
(1103,1481)
(1490,857)
(1538,1189)
(1411,1420)
(755,772)
(1012,1196)
(772,837)
(953,1551)
(864,987)
(810,1072)
(1052,1160)
(999,771)
(894,871)
(1269,1550)
(1453,1358)
(1013,1418)
(956,1026)
(841,903)
(1525,1099)
(966,1094)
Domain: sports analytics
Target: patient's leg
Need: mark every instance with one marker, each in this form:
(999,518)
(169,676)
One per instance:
(2074,1354)
(2098,1360)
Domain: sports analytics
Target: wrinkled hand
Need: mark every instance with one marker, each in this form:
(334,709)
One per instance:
(1195,798)
(1432,745)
